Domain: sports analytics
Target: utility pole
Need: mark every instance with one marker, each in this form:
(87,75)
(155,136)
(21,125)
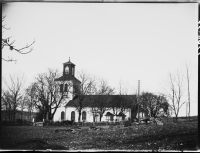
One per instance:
(138,99)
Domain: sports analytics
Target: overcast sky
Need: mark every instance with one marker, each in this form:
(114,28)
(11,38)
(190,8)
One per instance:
(120,42)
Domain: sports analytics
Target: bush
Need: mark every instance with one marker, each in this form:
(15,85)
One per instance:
(39,117)
(47,123)
(127,123)
(57,123)
(67,122)
(19,121)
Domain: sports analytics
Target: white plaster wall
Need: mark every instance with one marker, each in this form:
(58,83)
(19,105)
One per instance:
(70,95)
(70,91)
(68,110)
(89,116)
(57,116)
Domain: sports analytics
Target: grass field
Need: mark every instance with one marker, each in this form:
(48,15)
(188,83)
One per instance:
(171,136)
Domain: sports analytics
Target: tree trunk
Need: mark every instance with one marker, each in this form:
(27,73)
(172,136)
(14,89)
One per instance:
(51,116)
(6,113)
(9,116)
(79,116)
(14,112)
(188,83)
(133,113)
(100,117)
(176,118)
(30,116)
(21,114)
(93,120)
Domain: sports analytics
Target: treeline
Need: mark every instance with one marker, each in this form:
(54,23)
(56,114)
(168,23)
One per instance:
(46,94)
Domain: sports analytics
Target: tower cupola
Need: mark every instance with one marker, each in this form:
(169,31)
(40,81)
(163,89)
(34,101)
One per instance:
(68,68)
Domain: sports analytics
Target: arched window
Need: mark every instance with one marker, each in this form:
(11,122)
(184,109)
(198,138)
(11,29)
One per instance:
(61,87)
(66,87)
(73,115)
(67,69)
(62,115)
(84,116)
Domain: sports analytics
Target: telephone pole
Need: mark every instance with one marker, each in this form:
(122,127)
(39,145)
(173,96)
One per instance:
(138,99)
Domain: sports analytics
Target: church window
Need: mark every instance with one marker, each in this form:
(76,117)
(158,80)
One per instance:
(66,69)
(73,116)
(61,87)
(62,115)
(66,87)
(84,116)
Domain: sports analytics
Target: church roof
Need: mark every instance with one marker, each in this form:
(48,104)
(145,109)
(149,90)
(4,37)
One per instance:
(67,78)
(121,114)
(105,100)
(69,62)
(109,114)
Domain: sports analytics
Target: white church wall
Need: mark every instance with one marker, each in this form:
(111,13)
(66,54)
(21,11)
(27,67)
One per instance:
(68,110)
(70,95)
(57,115)
(70,83)
(89,115)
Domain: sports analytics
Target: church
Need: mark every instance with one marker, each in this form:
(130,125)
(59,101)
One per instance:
(90,113)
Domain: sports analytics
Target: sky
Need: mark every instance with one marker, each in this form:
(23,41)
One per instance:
(119,42)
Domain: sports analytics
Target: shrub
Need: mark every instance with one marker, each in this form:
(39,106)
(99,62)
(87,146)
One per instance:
(39,117)
(56,123)
(19,121)
(127,123)
(47,123)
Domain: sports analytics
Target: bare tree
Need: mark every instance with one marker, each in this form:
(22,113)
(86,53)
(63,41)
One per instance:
(7,42)
(103,92)
(121,103)
(148,102)
(155,105)
(82,90)
(50,94)
(176,92)
(93,100)
(30,100)
(188,89)
(14,93)
(22,106)
(6,105)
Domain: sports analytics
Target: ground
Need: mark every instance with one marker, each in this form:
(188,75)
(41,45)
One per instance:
(171,136)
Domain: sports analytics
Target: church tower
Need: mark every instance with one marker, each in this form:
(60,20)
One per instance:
(66,82)
(68,78)
(68,68)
